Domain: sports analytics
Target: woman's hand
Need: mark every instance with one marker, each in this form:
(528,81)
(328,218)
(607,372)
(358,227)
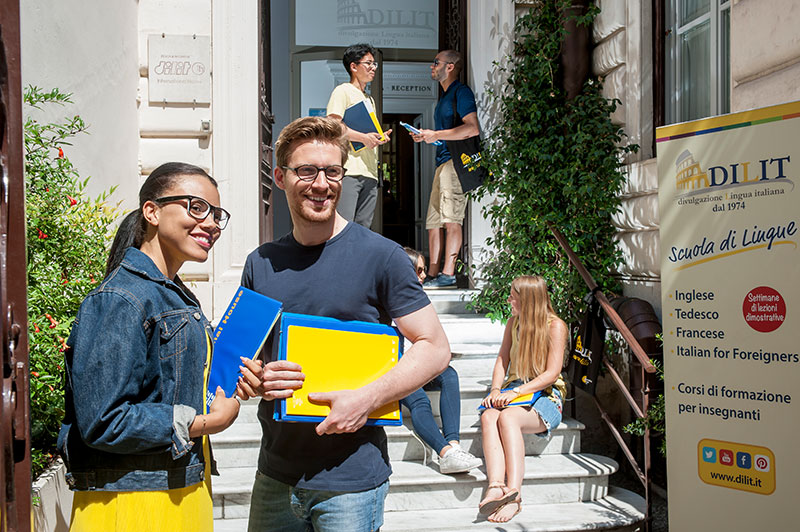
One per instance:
(502,399)
(488,401)
(221,415)
(224,410)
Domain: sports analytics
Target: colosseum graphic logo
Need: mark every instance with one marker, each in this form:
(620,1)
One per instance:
(746,179)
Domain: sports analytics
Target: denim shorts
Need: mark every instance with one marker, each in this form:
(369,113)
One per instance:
(547,406)
(279,507)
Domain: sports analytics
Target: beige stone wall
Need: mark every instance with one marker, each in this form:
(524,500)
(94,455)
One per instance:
(622,56)
(765,53)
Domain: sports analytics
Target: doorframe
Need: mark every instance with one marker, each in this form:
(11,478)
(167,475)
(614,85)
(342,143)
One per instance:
(15,464)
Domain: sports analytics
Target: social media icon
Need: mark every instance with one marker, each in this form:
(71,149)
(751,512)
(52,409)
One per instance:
(709,455)
(743,460)
(726,457)
(761,463)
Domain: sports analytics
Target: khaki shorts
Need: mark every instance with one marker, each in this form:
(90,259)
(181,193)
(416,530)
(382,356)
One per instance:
(447,204)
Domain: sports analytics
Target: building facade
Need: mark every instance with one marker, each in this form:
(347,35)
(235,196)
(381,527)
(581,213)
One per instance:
(202,81)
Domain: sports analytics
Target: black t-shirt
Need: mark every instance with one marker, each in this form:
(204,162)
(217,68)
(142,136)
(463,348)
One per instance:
(356,275)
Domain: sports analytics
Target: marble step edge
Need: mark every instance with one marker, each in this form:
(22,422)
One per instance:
(236,480)
(537,468)
(251,432)
(619,510)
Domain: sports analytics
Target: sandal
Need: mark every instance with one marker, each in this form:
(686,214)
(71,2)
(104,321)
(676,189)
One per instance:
(489,506)
(506,518)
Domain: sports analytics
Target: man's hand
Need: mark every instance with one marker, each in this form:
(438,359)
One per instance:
(348,413)
(371,140)
(276,380)
(425,135)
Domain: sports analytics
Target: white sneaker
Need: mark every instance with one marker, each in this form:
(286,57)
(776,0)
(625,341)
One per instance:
(457,460)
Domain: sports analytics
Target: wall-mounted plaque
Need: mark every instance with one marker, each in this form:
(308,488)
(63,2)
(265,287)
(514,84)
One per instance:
(179,68)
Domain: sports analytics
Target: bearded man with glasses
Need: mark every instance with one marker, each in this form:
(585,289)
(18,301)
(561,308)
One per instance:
(360,185)
(332,476)
(455,118)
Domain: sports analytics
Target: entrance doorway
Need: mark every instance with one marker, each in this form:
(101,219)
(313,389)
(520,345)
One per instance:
(400,168)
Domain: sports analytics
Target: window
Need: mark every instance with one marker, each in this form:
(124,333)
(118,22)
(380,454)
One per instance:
(697,62)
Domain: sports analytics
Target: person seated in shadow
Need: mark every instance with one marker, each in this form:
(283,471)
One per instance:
(450,457)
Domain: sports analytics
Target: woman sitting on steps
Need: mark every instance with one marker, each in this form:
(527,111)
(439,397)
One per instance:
(451,457)
(530,360)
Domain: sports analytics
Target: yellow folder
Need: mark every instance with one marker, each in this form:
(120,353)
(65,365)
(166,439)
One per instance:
(337,355)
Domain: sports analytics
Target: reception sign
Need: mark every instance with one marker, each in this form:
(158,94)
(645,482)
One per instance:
(730,272)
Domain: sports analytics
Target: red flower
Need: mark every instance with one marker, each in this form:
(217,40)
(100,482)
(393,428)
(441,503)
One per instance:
(64,281)
(53,322)
(51,387)
(60,153)
(91,278)
(35,373)
(42,235)
(35,328)
(72,201)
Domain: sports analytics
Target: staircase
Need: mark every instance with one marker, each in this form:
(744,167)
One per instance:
(563,489)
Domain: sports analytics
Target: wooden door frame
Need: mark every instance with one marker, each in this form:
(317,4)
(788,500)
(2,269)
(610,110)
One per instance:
(15,464)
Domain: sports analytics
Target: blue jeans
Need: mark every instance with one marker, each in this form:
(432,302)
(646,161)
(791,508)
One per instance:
(449,406)
(279,507)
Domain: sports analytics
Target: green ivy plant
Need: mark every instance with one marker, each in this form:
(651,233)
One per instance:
(554,161)
(67,240)
(655,418)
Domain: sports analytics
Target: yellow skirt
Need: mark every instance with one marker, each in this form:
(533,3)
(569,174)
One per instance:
(176,510)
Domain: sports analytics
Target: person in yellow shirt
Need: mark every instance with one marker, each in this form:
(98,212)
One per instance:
(360,184)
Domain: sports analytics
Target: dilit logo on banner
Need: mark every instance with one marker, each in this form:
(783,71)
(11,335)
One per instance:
(691,179)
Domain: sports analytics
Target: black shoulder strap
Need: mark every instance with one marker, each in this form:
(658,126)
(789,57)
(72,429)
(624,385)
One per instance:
(457,120)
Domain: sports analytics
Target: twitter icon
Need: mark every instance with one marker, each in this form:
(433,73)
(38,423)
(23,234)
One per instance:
(709,454)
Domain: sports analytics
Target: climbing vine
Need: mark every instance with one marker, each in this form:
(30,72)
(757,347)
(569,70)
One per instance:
(554,161)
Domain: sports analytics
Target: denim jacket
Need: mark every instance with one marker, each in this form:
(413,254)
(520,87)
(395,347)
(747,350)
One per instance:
(134,383)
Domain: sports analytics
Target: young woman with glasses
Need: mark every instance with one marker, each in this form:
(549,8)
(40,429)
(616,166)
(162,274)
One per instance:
(134,436)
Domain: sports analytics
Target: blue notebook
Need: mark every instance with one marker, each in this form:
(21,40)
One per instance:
(526,399)
(242,331)
(362,118)
(336,355)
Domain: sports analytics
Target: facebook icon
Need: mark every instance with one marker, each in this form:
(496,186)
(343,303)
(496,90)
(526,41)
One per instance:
(743,460)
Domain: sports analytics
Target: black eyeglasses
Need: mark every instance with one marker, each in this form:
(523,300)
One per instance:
(309,172)
(437,62)
(199,209)
(368,64)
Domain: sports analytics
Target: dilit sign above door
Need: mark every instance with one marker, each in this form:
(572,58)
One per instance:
(383,23)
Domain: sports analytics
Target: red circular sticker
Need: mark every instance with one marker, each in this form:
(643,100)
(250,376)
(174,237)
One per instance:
(764,309)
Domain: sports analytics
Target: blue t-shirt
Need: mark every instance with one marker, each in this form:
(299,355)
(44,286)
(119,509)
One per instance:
(444,118)
(356,275)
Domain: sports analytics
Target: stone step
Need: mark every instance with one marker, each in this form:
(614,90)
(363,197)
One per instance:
(465,329)
(553,478)
(404,445)
(548,479)
(451,301)
(239,445)
(620,511)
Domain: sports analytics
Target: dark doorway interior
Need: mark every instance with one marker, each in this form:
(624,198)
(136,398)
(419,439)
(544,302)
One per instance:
(399,174)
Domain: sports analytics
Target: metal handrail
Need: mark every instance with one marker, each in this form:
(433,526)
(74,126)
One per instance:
(601,298)
(643,473)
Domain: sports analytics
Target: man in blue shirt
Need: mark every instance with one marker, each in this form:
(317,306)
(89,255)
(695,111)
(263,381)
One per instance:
(447,202)
(331,476)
